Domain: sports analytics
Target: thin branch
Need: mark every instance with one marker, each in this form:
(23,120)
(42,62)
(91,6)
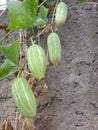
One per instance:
(93,3)
(5,36)
(2,12)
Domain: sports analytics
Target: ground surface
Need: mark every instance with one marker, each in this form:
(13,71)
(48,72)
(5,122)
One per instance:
(72,101)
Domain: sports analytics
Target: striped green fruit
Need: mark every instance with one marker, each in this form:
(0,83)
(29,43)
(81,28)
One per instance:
(37,61)
(23,97)
(54,48)
(61,13)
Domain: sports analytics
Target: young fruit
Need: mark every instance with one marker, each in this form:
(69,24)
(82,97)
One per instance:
(36,61)
(54,48)
(61,13)
(23,97)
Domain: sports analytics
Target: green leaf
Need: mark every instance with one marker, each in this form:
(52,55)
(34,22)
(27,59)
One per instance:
(11,51)
(43,12)
(21,14)
(39,21)
(81,1)
(6,68)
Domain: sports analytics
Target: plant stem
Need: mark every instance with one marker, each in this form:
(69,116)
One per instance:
(44,30)
(42,3)
(17,70)
(32,40)
(54,11)
(52,21)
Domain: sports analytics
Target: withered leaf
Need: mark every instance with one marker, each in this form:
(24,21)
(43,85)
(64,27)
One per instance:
(44,87)
(28,124)
(7,125)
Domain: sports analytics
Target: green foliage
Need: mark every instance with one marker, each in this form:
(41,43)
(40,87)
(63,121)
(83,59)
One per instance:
(11,51)
(43,12)
(6,68)
(41,19)
(21,14)
(81,1)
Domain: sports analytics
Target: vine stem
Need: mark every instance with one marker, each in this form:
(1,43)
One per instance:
(17,70)
(54,11)
(44,30)
(42,3)
(52,21)
(32,41)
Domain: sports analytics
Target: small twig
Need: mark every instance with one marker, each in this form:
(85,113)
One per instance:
(20,35)
(27,72)
(93,3)
(5,36)
(21,41)
(2,12)
(3,91)
(16,121)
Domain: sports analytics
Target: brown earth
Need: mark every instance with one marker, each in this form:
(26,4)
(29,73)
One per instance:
(72,100)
